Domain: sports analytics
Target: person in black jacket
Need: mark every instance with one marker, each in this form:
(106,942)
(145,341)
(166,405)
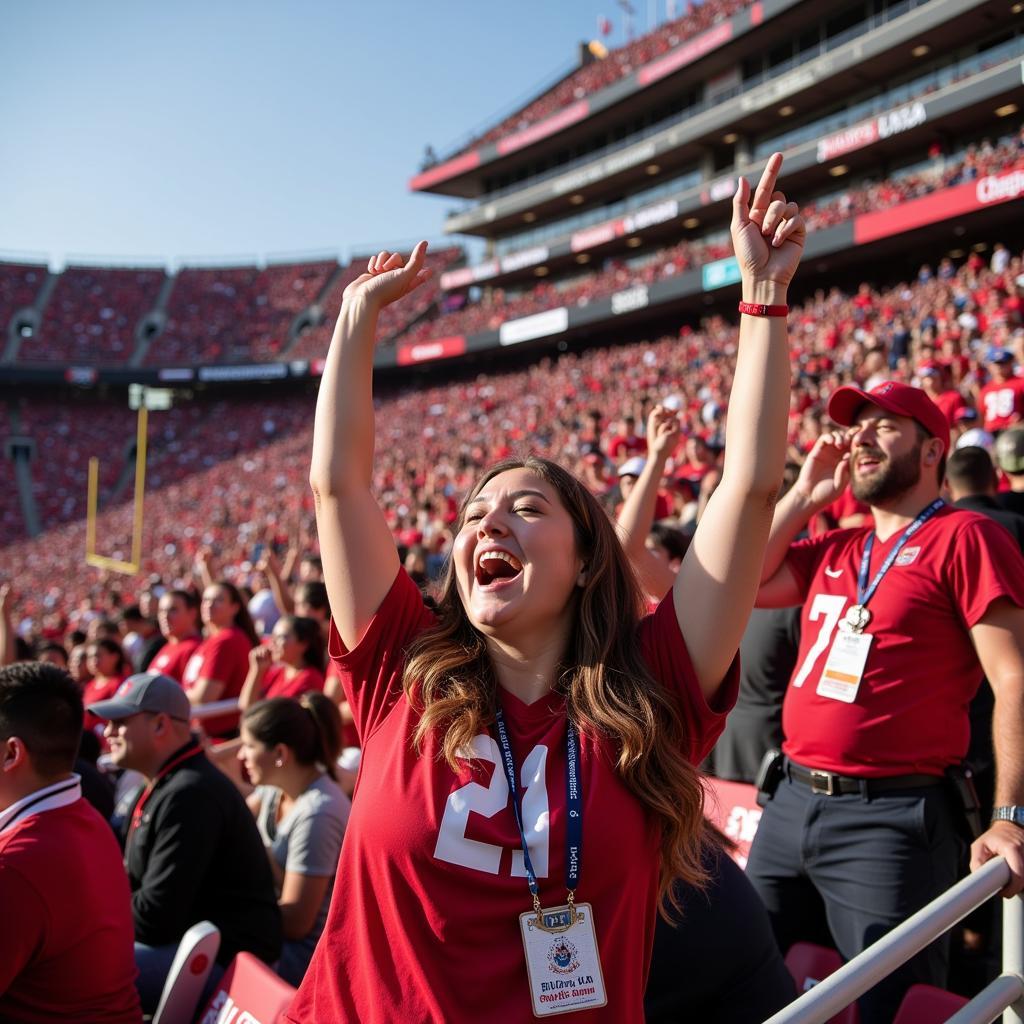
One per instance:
(973,485)
(192,849)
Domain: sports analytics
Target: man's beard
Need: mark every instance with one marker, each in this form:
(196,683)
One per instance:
(892,480)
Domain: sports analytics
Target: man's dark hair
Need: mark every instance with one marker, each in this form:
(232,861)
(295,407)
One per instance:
(49,647)
(41,705)
(314,594)
(671,538)
(940,469)
(970,470)
(131,613)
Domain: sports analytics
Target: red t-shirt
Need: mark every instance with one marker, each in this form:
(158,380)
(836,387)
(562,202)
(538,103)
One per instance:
(910,713)
(349,733)
(225,657)
(97,690)
(277,684)
(67,945)
(424,923)
(950,402)
(1002,403)
(174,656)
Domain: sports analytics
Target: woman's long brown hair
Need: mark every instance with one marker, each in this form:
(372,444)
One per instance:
(608,688)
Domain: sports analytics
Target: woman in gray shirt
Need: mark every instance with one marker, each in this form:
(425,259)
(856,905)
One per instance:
(289,749)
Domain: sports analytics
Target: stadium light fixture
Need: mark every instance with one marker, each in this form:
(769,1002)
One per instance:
(634,241)
(576,198)
(921,51)
(540,271)
(529,216)
(729,138)
(1017,8)
(979,247)
(787,111)
(956,254)
(1006,110)
(838,171)
(691,222)
(583,257)
(653,169)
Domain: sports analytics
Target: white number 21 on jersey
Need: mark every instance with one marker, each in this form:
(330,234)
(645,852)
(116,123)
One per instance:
(455,847)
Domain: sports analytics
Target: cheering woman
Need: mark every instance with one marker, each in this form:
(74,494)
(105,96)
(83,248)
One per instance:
(527,793)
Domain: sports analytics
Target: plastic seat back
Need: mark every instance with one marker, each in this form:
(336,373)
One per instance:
(189,970)
(810,964)
(249,991)
(925,1004)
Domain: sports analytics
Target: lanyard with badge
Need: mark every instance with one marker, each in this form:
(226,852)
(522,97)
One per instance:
(844,667)
(562,963)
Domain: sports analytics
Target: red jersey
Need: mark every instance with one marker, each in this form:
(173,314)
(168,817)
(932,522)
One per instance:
(225,657)
(349,734)
(67,947)
(1002,403)
(950,402)
(97,690)
(174,656)
(910,713)
(424,923)
(277,684)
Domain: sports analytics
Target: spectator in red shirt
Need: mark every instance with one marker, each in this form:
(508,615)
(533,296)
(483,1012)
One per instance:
(178,616)
(291,666)
(66,948)
(108,669)
(1002,399)
(626,443)
(220,664)
(934,380)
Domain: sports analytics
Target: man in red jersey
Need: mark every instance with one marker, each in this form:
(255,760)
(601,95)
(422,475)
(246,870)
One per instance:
(1002,399)
(899,624)
(66,944)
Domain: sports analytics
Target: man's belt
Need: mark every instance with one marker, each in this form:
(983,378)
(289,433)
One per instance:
(834,784)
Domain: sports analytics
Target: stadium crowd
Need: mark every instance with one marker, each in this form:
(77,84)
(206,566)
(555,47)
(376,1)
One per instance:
(231,587)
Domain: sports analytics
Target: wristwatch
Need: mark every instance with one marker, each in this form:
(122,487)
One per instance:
(1014,814)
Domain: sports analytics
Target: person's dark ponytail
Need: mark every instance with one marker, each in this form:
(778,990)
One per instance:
(310,727)
(327,721)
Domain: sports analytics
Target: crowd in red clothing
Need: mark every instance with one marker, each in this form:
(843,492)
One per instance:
(620,62)
(496,306)
(19,287)
(92,316)
(232,477)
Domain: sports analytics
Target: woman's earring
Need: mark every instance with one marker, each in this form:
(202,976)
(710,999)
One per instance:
(279,763)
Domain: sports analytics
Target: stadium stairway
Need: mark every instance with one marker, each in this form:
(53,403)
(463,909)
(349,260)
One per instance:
(19,449)
(313,315)
(30,316)
(151,326)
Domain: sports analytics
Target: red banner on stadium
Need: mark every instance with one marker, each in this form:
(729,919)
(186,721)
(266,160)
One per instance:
(687,54)
(437,348)
(950,202)
(442,172)
(543,129)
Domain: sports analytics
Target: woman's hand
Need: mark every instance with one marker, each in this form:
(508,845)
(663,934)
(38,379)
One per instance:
(662,432)
(260,659)
(388,277)
(768,235)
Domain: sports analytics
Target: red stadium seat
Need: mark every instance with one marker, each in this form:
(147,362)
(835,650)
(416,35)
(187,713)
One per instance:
(810,964)
(187,977)
(925,1004)
(249,990)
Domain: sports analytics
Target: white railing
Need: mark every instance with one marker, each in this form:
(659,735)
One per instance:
(1006,993)
(214,707)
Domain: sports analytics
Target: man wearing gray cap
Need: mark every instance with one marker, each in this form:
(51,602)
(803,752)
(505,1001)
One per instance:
(192,850)
(1010,459)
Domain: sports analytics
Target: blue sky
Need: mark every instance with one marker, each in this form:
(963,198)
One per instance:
(216,129)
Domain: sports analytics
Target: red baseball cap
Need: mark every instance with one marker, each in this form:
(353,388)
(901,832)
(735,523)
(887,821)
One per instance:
(899,399)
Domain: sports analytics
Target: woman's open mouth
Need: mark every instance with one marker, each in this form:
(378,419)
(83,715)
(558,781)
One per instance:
(496,568)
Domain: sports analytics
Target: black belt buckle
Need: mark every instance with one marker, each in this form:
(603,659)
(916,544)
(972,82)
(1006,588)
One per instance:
(823,782)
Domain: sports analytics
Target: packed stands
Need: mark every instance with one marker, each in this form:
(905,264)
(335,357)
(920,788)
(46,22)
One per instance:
(394,319)
(92,315)
(229,473)
(222,314)
(601,73)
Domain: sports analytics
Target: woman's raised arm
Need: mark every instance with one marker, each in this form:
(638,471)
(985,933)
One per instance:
(718,580)
(359,555)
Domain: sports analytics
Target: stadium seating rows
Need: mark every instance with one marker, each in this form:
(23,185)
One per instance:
(227,486)
(619,63)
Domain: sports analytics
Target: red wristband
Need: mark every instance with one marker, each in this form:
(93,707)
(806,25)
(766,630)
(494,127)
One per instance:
(758,309)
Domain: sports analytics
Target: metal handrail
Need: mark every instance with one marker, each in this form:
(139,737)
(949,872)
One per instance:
(214,707)
(866,969)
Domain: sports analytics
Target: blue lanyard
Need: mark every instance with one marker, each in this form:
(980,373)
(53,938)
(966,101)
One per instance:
(574,802)
(864,592)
